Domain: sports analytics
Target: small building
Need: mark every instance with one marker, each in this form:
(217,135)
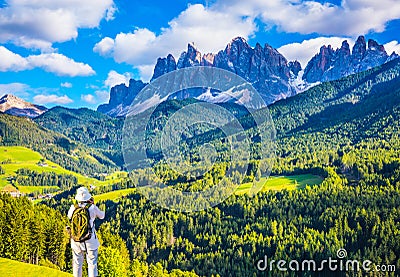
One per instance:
(16,193)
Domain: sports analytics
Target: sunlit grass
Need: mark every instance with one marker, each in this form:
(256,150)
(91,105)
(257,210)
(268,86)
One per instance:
(277,183)
(19,269)
(22,157)
(113,195)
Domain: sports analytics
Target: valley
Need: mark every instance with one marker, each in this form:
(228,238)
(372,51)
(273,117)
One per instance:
(14,158)
(334,184)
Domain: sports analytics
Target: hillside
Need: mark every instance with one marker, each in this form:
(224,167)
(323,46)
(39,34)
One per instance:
(30,172)
(364,97)
(360,106)
(354,105)
(84,125)
(19,269)
(19,131)
(328,116)
(91,128)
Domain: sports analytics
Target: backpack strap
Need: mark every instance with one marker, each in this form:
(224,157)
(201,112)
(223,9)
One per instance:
(86,207)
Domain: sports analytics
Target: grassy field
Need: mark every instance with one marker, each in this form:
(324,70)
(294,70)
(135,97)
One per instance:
(18,269)
(22,157)
(113,195)
(30,189)
(282,182)
(275,183)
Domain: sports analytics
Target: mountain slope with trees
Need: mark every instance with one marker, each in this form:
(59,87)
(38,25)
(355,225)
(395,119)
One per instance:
(21,131)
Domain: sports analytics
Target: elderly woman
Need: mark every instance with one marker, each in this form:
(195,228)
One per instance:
(90,243)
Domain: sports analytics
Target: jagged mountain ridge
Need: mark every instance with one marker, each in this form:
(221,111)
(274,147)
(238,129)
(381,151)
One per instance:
(330,64)
(271,74)
(11,104)
(121,96)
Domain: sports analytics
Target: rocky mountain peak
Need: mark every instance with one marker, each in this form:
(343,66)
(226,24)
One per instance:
(121,97)
(375,46)
(163,66)
(331,64)
(345,48)
(208,59)
(14,105)
(237,43)
(294,67)
(359,49)
(393,56)
(191,57)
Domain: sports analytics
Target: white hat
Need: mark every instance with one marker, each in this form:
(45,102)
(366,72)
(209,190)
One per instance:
(82,194)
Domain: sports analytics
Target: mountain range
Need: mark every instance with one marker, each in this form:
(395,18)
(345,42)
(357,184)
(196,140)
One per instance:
(270,73)
(89,141)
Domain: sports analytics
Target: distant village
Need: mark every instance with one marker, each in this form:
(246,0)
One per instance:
(17,193)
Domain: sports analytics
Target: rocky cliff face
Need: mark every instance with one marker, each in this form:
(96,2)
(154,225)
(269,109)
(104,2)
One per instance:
(330,64)
(163,66)
(263,66)
(14,105)
(121,97)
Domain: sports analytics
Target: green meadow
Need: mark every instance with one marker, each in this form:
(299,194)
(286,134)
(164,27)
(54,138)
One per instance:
(274,183)
(113,195)
(19,269)
(13,158)
(277,183)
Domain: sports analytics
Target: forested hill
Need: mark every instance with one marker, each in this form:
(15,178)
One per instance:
(93,129)
(56,147)
(84,125)
(362,98)
(35,233)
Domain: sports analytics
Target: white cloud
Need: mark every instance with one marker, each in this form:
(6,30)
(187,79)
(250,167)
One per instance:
(60,65)
(51,99)
(392,46)
(18,89)
(146,71)
(39,23)
(10,61)
(66,85)
(88,98)
(50,62)
(305,50)
(350,18)
(209,29)
(114,78)
(105,47)
(101,96)
(111,11)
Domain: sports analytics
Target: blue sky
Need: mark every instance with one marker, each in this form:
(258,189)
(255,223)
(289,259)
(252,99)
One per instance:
(70,52)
